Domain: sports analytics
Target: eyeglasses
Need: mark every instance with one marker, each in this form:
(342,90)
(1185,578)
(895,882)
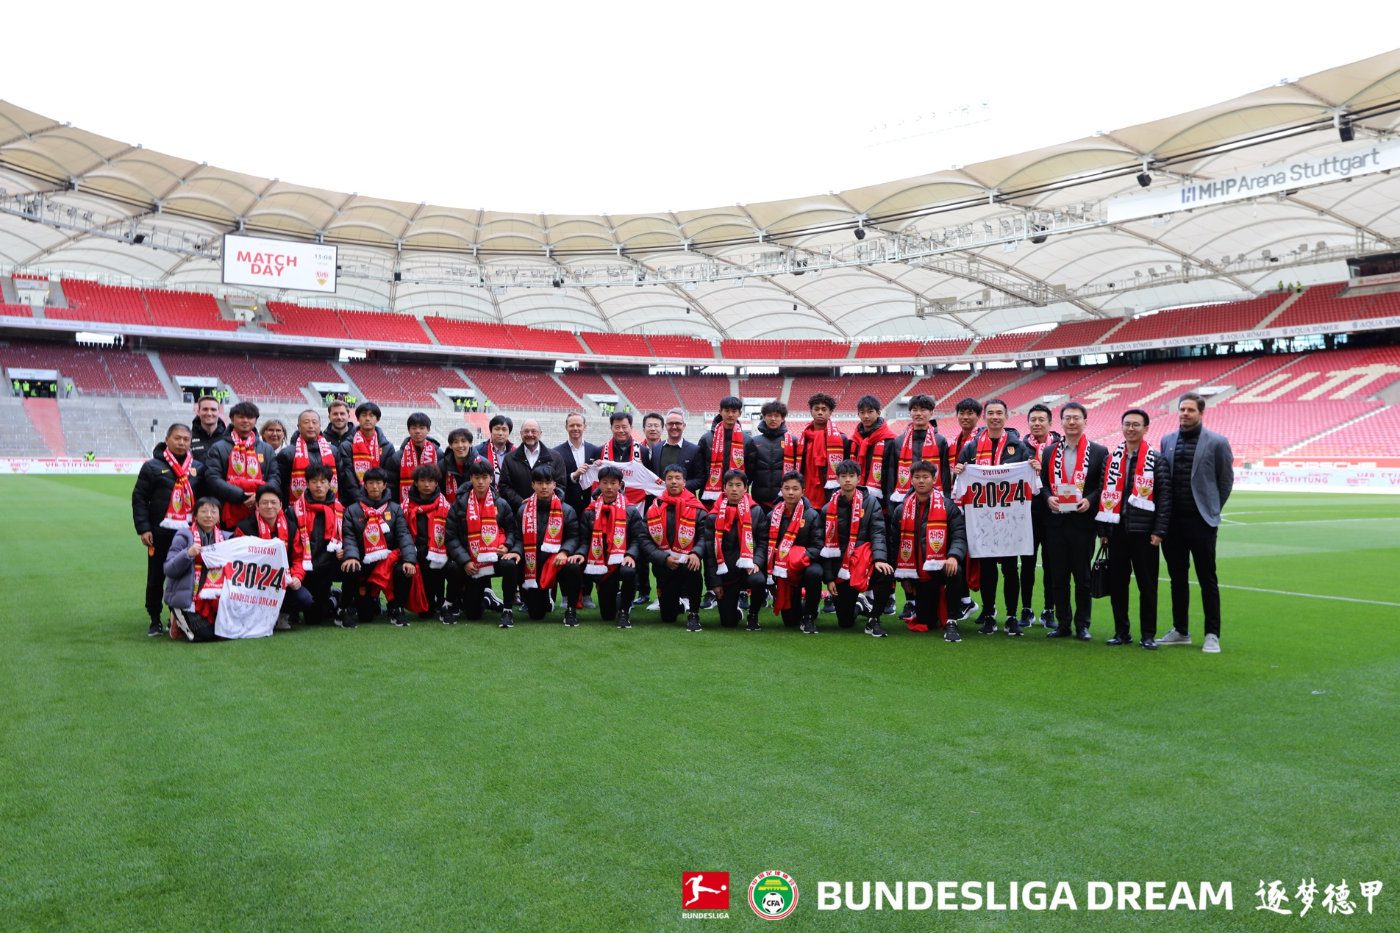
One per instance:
(1136,425)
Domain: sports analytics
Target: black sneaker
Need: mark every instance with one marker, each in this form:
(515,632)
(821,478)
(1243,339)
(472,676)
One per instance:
(1013,627)
(155,628)
(571,617)
(809,626)
(873,629)
(447,616)
(967,610)
(641,600)
(1047,618)
(507,620)
(345,619)
(744,601)
(490,600)
(397,617)
(692,622)
(988,626)
(753,625)
(889,608)
(828,606)
(952,633)
(708,601)
(910,612)
(624,618)
(1083,635)
(1117,640)
(1027,617)
(1150,644)
(1057,633)
(588,603)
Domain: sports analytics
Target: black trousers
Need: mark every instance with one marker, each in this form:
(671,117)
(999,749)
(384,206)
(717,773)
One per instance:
(845,595)
(1132,554)
(317,584)
(473,601)
(730,585)
(538,601)
(674,584)
(1028,566)
(1191,541)
(928,598)
(367,605)
(994,568)
(643,578)
(155,572)
(811,597)
(616,591)
(435,583)
(1068,551)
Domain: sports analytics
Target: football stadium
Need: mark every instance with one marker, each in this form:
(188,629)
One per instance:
(1099,440)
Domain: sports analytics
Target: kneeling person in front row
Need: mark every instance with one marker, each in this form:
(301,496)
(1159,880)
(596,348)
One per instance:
(929,543)
(736,551)
(319,520)
(612,531)
(380,556)
(191,589)
(793,556)
(674,545)
(854,547)
(547,538)
(425,511)
(481,542)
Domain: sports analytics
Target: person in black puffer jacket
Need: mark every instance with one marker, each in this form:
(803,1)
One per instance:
(769,443)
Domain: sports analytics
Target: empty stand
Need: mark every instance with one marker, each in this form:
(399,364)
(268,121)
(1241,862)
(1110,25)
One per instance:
(616,344)
(16,311)
(407,384)
(674,347)
(93,372)
(699,393)
(584,384)
(1075,334)
(1372,436)
(1006,344)
(525,390)
(940,385)
(383,326)
(648,393)
(890,349)
(234,370)
(1204,319)
(308,322)
(957,346)
(1323,304)
(764,387)
(110,304)
(195,310)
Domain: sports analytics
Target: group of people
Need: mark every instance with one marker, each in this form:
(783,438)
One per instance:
(809,521)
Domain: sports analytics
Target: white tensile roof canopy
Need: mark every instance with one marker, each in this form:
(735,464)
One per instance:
(945,254)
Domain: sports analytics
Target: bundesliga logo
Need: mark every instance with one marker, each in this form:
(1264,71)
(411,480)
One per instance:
(773,895)
(704,890)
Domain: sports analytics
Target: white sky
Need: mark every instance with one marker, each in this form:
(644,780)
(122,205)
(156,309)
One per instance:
(627,107)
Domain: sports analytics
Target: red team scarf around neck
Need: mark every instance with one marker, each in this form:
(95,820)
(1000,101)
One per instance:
(823,450)
(553,537)
(365,453)
(180,512)
(935,537)
(305,510)
(301,459)
(990,452)
(1080,468)
(1115,479)
(831,547)
(904,471)
(868,451)
(682,542)
(437,526)
(410,460)
(482,532)
(607,545)
(726,514)
(778,550)
(721,464)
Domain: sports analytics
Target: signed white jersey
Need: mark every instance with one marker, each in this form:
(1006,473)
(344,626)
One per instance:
(255,574)
(996,507)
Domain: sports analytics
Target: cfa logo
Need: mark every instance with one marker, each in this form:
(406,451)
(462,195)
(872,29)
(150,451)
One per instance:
(704,890)
(773,895)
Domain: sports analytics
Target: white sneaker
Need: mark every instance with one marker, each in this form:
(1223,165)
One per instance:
(1211,645)
(1173,637)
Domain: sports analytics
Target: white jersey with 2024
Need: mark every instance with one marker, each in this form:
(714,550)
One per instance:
(996,507)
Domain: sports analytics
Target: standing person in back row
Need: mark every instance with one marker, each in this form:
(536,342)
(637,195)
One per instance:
(368,448)
(1037,439)
(339,427)
(726,447)
(162,503)
(1071,472)
(1203,473)
(1135,508)
(240,464)
(207,428)
(310,446)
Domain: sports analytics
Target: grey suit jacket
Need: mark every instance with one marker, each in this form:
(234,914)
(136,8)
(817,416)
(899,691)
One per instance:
(1212,472)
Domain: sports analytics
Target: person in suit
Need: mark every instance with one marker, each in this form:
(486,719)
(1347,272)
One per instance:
(576,454)
(1135,510)
(1203,473)
(518,466)
(1071,476)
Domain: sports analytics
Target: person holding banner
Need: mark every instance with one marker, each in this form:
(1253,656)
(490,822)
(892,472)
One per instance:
(237,466)
(191,589)
(380,556)
(675,545)
(481,542)
(547,543)
(1071,476)
(1135,510)
(855,549)
(735,554)
(163,503)
(929,542)
(270,521)
(612,532)
(793,556)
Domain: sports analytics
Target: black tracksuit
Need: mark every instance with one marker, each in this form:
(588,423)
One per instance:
(618,588)
(473,589)
(809,537)
(872,530)
(927,591)
(150,498)
(570,576)
(735,580)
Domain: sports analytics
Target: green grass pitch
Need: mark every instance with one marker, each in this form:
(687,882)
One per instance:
(541,778)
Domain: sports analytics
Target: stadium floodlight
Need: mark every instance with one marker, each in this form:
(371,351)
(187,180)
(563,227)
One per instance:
(1144,179)
(1342,121)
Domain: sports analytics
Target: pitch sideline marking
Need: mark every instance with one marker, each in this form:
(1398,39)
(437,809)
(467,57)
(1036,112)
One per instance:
(1256,589)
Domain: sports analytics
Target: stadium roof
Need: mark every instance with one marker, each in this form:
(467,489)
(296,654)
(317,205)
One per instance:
(948,253)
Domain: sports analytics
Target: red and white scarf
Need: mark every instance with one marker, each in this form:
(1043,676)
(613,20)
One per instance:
(721,464)
(869,452)
(208,582)
(410,460)
(306,511)
(530,535)
(607,545)
(1081,456)
(726,514)
(935,538)
(990,452)
(301,459)
(365,452)
(831,547)
(1115,479)
(483,532)
(823,450)
(180,512)
(792,453)
(266,531)
(494,458)
(904,471)
(778,550)
(682,541)
(376,533)
(1036,446)
(436,511)
(245,472)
